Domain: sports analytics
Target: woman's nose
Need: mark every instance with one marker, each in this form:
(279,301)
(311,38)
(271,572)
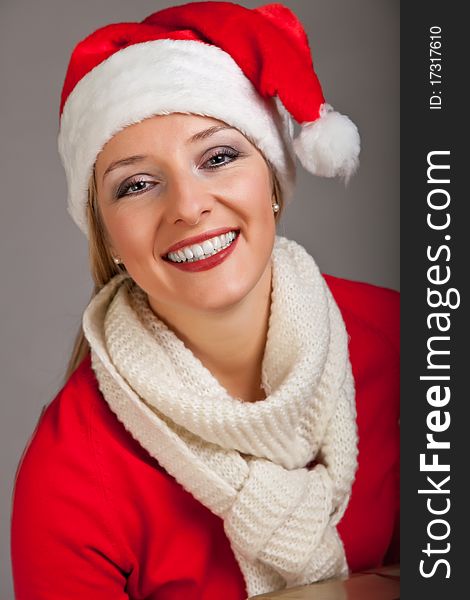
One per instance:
(187,200)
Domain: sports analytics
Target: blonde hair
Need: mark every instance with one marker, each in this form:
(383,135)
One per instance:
(102,266)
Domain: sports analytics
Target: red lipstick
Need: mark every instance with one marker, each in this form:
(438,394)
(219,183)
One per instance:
(198,239)
(209,262)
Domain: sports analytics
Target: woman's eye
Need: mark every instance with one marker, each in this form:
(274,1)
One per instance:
(220,158)
(133,187)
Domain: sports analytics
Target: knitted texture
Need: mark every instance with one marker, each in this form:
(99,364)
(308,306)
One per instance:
(278,471)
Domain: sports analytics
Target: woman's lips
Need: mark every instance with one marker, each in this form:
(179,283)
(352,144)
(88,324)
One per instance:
(209,262)
(198,239)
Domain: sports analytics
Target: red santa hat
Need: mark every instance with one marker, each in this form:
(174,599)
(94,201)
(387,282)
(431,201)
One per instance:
(250,68)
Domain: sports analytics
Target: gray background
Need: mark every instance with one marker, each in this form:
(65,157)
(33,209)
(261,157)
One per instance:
(352,232)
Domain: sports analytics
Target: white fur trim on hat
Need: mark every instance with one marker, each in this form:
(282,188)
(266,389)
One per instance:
(162,77)
(330,145)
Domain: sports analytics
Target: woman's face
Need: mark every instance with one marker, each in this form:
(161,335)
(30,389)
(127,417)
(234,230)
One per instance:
(169,179)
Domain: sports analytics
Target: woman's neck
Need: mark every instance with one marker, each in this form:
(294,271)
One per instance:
(230,343)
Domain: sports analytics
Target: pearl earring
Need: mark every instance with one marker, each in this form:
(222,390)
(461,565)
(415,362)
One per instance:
(116,260)
(276,207)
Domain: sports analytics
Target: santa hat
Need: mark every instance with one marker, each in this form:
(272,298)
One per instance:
(250,68)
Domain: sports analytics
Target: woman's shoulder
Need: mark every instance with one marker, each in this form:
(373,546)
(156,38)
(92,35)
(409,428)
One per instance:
(78,424)
(63,423)
(373,309)
(74,482)
(370,526)
(60,505)
(88,500)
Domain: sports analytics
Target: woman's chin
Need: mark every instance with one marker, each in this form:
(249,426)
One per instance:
(218,300)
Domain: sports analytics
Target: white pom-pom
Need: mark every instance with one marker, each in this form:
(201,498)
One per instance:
(330,145)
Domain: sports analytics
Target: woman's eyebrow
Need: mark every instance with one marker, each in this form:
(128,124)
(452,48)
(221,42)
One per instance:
(130,160)
(205,133)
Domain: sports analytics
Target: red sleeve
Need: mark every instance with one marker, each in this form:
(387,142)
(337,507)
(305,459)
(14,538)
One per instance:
(377,306)
(63,542)
(370,527)
(392,556)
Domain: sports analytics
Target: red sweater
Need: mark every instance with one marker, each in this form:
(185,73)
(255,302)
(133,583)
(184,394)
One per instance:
(96,517)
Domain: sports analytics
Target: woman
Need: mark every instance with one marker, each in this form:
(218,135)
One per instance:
(205,443)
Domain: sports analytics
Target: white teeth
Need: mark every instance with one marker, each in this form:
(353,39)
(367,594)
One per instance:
(198,251)
(207,248)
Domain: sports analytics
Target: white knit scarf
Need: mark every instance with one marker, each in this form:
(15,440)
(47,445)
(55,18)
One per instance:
(248,462)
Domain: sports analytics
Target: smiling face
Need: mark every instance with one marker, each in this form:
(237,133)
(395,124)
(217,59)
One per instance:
(186,176)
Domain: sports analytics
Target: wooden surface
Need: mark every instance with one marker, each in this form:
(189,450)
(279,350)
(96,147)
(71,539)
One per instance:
(374,584)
